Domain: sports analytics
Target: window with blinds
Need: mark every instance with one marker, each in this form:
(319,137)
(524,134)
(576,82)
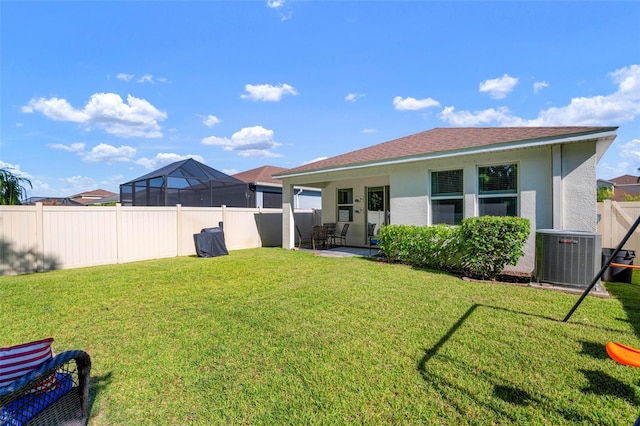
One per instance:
(447,203)
(498,190)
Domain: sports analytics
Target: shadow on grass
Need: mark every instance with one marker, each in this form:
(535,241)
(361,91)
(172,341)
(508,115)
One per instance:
(513,395)
(594,349)
(429,353)
(629,296)
(601,383)
(16,261)
(97,385)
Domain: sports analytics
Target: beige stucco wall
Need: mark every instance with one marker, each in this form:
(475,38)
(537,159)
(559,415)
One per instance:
(579,200)
(357,233)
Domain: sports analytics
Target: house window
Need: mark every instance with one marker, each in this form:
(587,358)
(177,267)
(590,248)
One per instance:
(345,205)
(498,190)
(447,197)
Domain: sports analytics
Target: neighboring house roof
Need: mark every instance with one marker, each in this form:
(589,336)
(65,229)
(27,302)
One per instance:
(106,200)
(52,201)
(625,180)
(261,174)
(92,196)
(453,141)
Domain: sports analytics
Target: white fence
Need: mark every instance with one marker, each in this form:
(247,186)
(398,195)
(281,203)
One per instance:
(614,221)
(41,238)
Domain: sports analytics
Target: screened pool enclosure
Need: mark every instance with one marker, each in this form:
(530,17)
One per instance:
(189,183)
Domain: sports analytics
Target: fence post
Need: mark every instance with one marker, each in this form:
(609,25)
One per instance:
(607,228)
(119,241)
(178,229)
(39,238)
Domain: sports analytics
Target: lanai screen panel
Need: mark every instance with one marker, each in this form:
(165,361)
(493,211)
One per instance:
(188,183)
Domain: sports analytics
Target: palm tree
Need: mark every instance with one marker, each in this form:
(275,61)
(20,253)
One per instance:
(12,187)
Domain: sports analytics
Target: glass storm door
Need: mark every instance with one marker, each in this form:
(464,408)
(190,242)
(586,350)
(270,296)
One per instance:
(377,207)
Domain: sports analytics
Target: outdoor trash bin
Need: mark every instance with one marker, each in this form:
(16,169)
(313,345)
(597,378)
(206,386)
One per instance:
(210,242)
(617,274)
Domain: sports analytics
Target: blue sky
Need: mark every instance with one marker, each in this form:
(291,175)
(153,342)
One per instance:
(94,94)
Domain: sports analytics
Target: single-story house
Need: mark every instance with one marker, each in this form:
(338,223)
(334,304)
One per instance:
(623,187)
(545,174)
(93,197)
(268,190)
(51,201)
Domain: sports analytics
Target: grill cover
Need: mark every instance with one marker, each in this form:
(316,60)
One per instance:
(210,242)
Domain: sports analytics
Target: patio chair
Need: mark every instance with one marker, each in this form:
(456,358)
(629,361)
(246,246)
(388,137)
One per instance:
(372,237)
(301,240)
(343,235)
(318,236)
(330,231)
(54,393)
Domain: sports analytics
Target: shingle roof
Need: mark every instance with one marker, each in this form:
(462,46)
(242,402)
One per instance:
(625,180)
(260,174)
(440,140)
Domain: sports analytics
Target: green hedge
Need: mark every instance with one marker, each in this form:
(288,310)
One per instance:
(424,246)
(480,247)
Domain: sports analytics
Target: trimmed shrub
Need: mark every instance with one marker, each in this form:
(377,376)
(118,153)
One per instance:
(480,247)
(423,246)
(489,243)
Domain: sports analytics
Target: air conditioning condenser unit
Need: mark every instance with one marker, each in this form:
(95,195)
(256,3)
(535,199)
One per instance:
(567,258)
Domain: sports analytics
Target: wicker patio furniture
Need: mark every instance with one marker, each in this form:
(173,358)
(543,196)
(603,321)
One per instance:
(54,393)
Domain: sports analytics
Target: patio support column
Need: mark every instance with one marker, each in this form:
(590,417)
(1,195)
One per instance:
(288,223)
(556,158)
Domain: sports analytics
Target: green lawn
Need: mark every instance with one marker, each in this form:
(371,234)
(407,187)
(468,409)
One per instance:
(269,336)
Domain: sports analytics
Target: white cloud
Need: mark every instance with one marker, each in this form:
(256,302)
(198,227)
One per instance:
(74,147)
(15,169)
(147,78)
(267,92)
(501,116)
(211,120)
(369,131)
(352,97)
(413,104)
(314,160)
(253,141)
(539,85)
(631,150)
(278,5)
(274,4)
(136,118)
(229,172)
(124,77)
(56,109)
(498,88)
(77,184)
(104,153)
(258,153)
(621,106)
(164,158)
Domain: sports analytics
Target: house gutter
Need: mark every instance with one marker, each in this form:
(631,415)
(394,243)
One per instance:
(276,185)
(440,155)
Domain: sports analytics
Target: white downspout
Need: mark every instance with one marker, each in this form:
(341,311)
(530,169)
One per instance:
(557,195)
(297,204)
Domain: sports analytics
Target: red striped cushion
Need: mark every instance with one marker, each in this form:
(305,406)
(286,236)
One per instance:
(17,361)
